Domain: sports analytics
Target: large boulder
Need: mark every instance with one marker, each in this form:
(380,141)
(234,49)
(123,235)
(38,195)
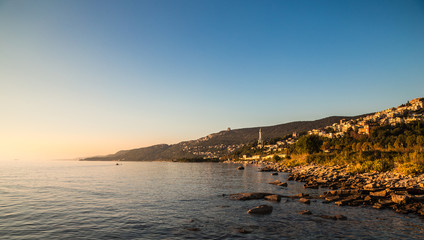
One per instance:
(262,209)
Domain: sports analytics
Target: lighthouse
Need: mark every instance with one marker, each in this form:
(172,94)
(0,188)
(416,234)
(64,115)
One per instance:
(260,142)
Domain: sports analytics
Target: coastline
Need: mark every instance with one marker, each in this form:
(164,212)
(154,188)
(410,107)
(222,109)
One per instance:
(402,193)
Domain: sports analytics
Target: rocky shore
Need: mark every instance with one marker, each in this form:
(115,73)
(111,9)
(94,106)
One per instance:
(402,193)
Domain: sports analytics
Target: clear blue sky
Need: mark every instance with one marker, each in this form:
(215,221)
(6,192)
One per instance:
(80,78)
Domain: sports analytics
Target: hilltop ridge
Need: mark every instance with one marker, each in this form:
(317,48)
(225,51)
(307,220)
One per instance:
(215,145)
(226,142)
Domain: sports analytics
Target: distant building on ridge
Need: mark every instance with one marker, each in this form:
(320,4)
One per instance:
(260,142)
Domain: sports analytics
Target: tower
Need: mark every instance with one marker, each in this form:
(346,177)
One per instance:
(260,142)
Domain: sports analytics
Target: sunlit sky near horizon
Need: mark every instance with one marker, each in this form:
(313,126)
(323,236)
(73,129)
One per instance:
(81,78)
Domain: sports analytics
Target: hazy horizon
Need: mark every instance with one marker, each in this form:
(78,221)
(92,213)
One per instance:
(84,78)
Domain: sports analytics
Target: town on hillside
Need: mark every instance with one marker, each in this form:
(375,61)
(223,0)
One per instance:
(406,113)
(283,147)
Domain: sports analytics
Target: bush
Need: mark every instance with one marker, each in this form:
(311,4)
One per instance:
(319,158)
(309,144)
(410,168)
(412,163)
(383,165)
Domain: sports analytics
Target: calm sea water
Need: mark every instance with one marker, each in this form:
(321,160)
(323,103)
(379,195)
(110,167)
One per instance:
(164,200)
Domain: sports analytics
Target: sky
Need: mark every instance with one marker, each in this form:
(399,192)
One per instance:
(84,77)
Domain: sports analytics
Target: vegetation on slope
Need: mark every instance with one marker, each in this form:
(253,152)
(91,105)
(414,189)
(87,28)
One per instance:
(386,148)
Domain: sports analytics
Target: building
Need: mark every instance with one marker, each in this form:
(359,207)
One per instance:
(364,130)
(260,142)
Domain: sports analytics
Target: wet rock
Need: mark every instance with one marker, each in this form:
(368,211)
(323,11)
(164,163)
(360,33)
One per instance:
(402,211)
(305,212)
(305,201)
(249,196)
(193,229)
(262,209)
(276,182)
(342,202)
(421,211)
(335,217)
(382,204)
(274,197)
(311,185)
(378,206)
(267,169)
(340,217)
(412,207)
(332,198)
(328,217)
(244,231)
(375,189)
(300,195)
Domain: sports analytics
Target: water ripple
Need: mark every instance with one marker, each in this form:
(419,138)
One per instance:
(161,200)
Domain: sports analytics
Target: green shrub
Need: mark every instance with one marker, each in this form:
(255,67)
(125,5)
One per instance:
(382,165)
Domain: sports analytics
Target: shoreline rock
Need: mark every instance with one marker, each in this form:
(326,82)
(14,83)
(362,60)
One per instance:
(262,209)
(404,194)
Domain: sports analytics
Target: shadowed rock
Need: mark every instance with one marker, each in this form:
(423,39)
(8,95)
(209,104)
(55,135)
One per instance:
(300,195)
(262,209)
(335,217)
(193,229)
(379,193)
(244,231)
(274,197)
(249,196)
(305,201)
(278,183)
(400,199)
(305,212)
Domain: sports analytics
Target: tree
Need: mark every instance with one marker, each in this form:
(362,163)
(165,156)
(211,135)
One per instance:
(398,144)
(309,144)
(420,141)
(410,141)
(326,146)
(366,146)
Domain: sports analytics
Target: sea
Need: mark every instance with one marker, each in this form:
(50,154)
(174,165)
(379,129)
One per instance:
(169,200)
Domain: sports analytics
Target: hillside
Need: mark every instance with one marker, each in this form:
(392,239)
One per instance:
(215,145)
